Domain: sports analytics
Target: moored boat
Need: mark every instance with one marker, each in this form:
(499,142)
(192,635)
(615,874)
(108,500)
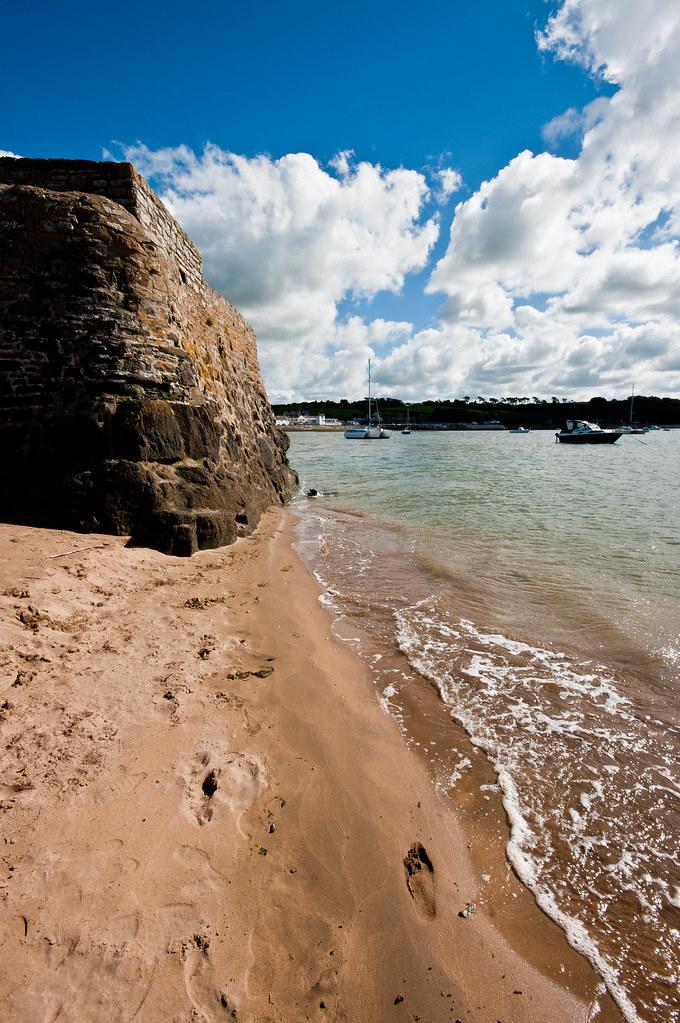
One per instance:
(632,426)
(380,432)
(579,431)
(371,431)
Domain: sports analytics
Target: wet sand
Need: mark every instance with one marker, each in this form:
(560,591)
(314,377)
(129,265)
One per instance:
(205,815)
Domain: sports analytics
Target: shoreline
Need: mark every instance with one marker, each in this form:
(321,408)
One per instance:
(207,812)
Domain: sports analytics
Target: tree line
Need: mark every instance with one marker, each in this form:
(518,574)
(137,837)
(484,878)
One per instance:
(511,411)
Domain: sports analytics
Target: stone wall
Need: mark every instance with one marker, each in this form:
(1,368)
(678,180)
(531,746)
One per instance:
(130,394)
(117,181)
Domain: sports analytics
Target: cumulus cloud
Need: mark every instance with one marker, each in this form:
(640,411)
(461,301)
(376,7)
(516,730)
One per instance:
(615,40)
(6,152)
(560,276)
(287,240)
(541,356)
(573,122)
(576,262)
(336,369)
(563,126)
(449,181)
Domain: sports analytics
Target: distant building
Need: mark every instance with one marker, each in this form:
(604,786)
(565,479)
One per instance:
(302,420)
(490,424)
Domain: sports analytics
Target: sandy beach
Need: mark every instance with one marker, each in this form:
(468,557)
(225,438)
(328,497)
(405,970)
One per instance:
(206,815)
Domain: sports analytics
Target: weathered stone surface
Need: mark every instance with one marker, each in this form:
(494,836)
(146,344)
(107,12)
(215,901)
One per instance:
(130,393)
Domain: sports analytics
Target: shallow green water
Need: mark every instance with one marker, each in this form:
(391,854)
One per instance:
(597,527)
(537,587)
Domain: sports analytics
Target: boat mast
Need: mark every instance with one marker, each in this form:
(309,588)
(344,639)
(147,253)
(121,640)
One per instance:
(369,394)
(632,396)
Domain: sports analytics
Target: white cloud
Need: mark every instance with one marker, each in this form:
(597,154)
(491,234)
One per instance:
(616,40)
(449,181)
(287,241)
(342,162)
(6,152)
(509,238)
(563,126)
(574,122)
(583,253)
(336,369)
(561,276)
(545,359)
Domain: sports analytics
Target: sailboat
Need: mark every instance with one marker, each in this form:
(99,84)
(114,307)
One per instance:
(369,432)
(407,429)
(383,434)
(631,428)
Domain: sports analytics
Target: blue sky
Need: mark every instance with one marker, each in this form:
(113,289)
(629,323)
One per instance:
(398,84)
(442,85)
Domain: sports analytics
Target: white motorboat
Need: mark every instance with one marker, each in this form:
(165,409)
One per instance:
(578,431)
(356,433)
(518,429)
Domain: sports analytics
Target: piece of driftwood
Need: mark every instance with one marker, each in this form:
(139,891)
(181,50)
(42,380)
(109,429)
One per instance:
(79,550)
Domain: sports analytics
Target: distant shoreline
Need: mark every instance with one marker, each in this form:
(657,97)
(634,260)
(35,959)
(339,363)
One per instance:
(461,414)
(433,428)
(314,429)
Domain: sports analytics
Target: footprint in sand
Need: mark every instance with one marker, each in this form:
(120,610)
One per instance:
(121,930)
(420,880)
(208,1001)
(200,865)
(223,780)
(208,778)
(325,989)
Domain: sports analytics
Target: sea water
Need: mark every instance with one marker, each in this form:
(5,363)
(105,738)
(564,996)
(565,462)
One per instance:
(537,587)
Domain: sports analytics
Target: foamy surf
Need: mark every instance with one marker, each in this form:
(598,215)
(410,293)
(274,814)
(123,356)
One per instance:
(549,629)
(568,748)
